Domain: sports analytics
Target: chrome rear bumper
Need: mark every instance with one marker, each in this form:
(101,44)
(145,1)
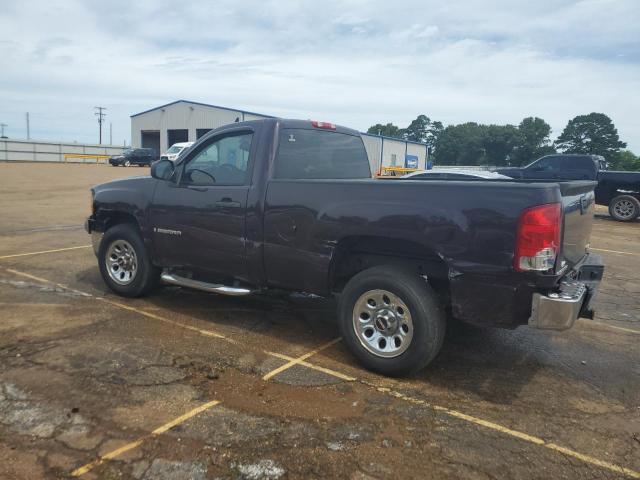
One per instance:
(573,298)
(558,310)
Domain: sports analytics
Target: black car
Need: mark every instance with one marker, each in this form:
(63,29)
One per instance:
(134,156)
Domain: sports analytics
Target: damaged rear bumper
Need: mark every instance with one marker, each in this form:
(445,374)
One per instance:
(559,309)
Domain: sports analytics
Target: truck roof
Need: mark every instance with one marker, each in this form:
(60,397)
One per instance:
(296,123)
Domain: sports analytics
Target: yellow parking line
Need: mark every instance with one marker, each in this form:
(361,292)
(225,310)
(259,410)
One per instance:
(613,251)
(614,327)
(44,280)
(135,444)
(300,359)
(43,251)
(508,431)
(207,333)
(328,371)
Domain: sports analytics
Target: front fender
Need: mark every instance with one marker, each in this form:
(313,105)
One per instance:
(122,200)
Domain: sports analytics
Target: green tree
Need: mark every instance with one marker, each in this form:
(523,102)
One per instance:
(534,141)
(418,129)
(388,130)
(475,144)
(424,130)
(594,134)
(499,142)
(461,144)
(626,160)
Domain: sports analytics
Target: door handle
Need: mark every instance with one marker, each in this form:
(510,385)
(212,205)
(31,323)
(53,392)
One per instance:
(226,202)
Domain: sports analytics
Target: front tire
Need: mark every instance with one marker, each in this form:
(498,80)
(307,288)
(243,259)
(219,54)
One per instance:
(391,320)
(125,264)
(624,208)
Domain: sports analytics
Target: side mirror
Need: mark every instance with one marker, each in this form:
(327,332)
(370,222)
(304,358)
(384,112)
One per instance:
(163,170)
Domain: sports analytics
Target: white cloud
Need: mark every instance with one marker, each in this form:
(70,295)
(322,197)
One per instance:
(356,63)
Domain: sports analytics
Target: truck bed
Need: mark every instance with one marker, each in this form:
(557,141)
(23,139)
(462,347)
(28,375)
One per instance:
(468,224)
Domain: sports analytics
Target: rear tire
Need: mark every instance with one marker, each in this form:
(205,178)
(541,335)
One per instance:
(124,262)
(391,320)
(624,208)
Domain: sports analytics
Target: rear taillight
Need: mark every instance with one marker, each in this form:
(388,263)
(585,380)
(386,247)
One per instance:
(326,125)
(538,238)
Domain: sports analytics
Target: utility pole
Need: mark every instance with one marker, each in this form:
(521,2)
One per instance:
(110,133)
(28,132)
(2,125)
(100,114)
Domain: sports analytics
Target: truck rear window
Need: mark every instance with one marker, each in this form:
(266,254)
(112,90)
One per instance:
(314,154)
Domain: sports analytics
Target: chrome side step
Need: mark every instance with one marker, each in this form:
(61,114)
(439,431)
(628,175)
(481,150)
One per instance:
(173,279)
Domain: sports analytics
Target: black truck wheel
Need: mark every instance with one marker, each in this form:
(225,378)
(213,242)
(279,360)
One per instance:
(124,262)
(624,208)
(391,320)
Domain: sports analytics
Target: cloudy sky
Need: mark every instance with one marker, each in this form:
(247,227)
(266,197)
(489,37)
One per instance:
(356,63)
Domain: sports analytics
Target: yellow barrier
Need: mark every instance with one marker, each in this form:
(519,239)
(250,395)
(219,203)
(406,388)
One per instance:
(396,171)
(67,156)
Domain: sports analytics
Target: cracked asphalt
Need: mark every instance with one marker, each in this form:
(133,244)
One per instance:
(174,383)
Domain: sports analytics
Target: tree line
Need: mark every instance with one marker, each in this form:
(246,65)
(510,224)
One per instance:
(472,143)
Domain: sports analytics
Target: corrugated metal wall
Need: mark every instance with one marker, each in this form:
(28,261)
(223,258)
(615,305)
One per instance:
(183,115)
(421,152)
(373,146)
(389,147)
(36,151)
(393,153)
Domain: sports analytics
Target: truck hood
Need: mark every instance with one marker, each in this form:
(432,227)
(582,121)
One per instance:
(124,183)
(128,194)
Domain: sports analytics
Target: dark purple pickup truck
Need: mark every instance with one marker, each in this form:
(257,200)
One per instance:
(290,204)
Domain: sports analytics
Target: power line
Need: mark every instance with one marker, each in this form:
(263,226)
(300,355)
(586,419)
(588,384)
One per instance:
(100,114)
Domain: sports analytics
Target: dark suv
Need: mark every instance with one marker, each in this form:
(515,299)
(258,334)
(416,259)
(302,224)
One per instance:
(134,156)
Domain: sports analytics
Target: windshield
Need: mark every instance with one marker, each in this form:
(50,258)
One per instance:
(175,149)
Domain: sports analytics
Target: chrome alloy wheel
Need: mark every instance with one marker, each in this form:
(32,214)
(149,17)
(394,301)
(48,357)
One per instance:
(121,262)
(624,209)
(382,322)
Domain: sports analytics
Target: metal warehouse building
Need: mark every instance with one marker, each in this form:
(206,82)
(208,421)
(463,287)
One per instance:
(186,121)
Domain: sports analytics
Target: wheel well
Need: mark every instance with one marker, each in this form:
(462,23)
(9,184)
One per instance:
(356,254)
(113,218)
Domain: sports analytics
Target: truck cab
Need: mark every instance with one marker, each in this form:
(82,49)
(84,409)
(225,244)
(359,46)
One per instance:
(559,167)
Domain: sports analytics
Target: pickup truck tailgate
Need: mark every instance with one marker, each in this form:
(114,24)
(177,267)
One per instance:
(578,202)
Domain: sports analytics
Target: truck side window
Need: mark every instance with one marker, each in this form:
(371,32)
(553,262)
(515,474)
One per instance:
(578,163)
(224,161)
(315,154)
(544,164)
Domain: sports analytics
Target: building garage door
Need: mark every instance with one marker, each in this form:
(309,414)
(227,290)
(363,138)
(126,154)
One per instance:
(151,139)
(201,131)
(177,136)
